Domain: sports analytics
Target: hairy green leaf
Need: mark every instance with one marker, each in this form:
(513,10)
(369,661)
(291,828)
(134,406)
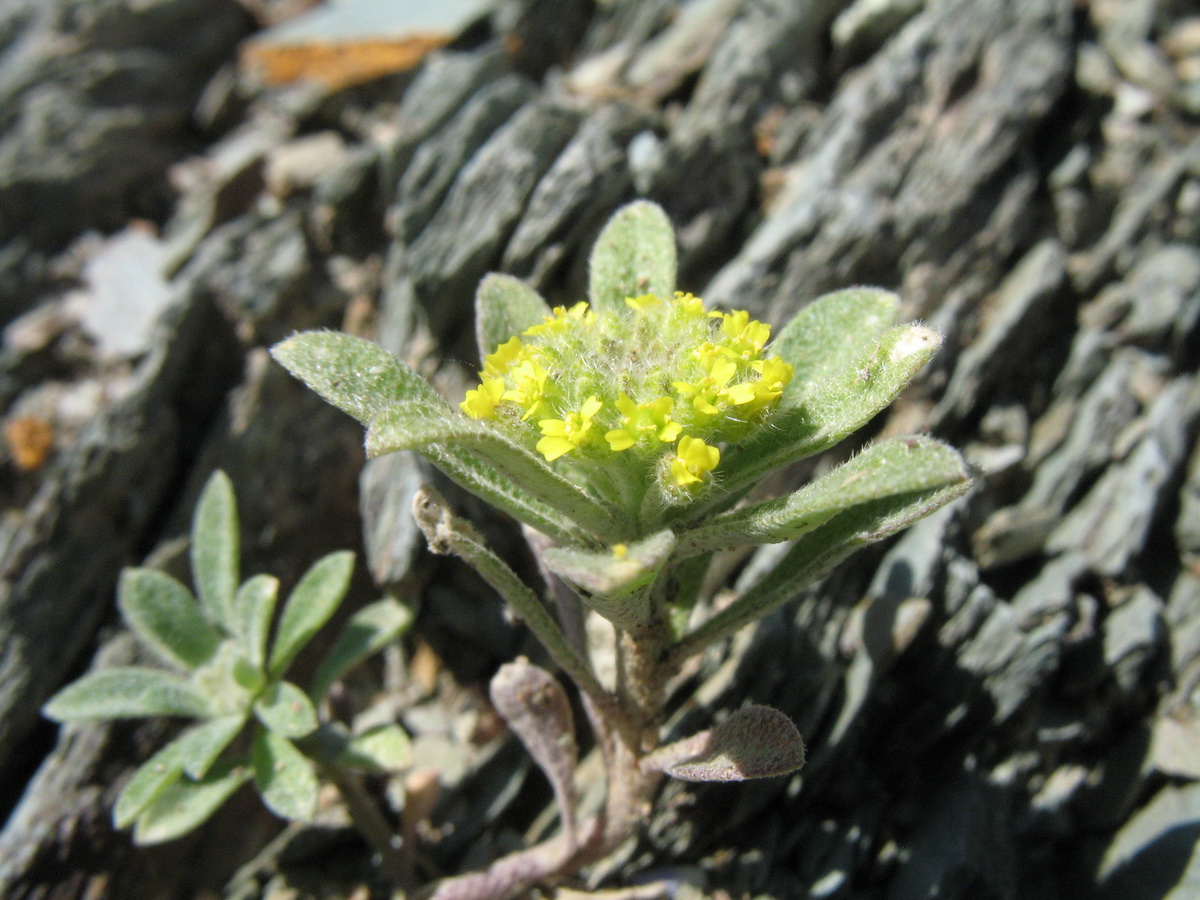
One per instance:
(504,307)
(383,749)
(207,741)
(254,606)
(284,777)
(899,466)
(128,692)
(148,782)
(216,547)
(847,401)
(448,534)
(369,630)
(829,335)
(185,804)
(487,482)
(166,618)
(418,426)
(355,375)
(309,606)
(286,710)
(193,752)
(614,582)
(815,553)
(634,255)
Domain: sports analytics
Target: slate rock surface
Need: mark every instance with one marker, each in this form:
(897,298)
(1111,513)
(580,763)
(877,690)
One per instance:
(1002,702)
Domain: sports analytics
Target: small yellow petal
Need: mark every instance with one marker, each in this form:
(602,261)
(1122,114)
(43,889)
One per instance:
(554,447)
(620,439)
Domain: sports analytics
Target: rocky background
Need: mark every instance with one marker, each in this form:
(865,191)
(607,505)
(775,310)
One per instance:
(1001,704)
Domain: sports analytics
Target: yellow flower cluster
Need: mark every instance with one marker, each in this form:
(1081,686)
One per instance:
(664,384)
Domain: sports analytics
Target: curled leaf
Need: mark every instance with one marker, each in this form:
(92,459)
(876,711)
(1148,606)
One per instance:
(754,742)
(536,708)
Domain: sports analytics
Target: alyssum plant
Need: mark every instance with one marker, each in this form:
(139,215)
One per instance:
(625,433)
(222,667)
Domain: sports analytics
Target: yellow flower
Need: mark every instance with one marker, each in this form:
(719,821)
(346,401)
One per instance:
(481,402)
(532,388)
(561,318)
(690,304)
(642,303)
(749,335)
(651,419)
(773,376)
(693,458)
(564,435)
(504,356)
(710,390)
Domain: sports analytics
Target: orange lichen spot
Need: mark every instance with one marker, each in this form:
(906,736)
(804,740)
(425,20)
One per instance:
(337,64)
(30,440)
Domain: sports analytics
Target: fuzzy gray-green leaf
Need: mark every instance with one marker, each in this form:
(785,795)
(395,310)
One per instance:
(369,630)
(899,466)
(355,375)
(129,692)
(489,484)
(193,753)
(286,710)
(814,553)
(309,606)
(755,742)
(504,307)
(614,581)
(385,748)
(845,403)
(419,426)
(207,741)
(148,782)
(254,606)
(185,804)
(634,255)
(284,777)
(828,335)
(166,618)
(215,548)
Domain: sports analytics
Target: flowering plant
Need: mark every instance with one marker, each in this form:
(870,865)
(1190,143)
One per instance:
(625,433)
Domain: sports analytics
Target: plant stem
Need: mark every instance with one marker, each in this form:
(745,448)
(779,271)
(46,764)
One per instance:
(368,819)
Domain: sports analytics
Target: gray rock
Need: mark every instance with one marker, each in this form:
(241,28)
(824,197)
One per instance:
(1098,420)
(1187,523)
(442,156)
(1157,853)
(962,847)
(1133,636)
(1112,523)
(447,80)
(570,203)
(1157,305)
(853,199)
(1183,619)
(86,137)
(1133,217)
(865,25)
(221,185)
(467,235)
(390,533)
(1027,298)
(125,293)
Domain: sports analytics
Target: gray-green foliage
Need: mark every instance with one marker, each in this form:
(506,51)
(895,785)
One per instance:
(223,670)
